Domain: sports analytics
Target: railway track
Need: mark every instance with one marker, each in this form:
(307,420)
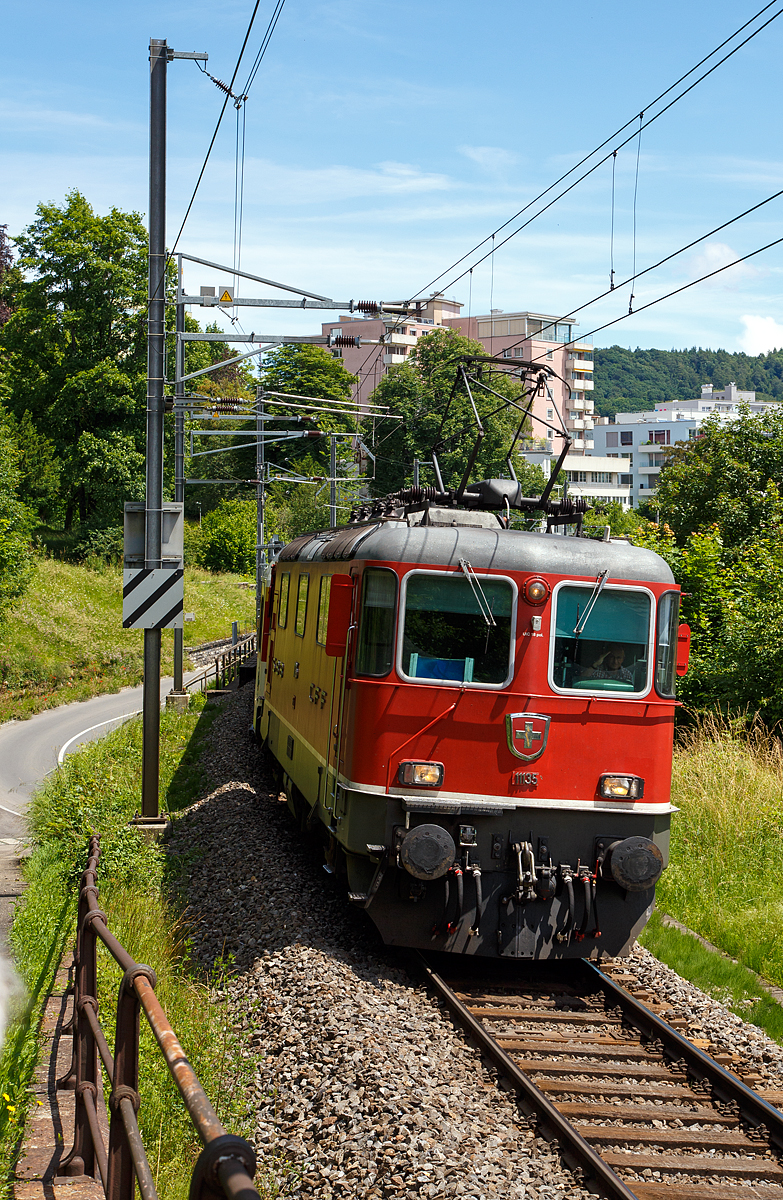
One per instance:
(638,1108)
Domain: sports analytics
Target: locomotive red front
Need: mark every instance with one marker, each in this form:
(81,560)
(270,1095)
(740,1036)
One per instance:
(480,721)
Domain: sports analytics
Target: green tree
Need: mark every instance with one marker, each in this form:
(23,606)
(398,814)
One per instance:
(723,478)
(75,343)
(39,467)
(16,561)
(418,391)
(227,539)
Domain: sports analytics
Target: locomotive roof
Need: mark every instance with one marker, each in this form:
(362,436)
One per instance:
(486,549)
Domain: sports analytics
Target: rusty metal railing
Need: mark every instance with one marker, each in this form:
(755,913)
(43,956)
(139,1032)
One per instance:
(226,666)
(226,1165)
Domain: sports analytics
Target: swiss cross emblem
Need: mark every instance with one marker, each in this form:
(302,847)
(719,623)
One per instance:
(527,734)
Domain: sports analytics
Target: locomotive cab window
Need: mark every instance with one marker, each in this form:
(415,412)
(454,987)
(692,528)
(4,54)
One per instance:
(457,631)
(375,651)
(666,656)
(282,604)
(601,639)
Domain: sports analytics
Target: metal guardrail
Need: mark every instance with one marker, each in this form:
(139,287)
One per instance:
(226,666)
(226,1165)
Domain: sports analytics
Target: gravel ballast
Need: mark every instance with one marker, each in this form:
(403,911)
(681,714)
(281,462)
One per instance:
(361,1085)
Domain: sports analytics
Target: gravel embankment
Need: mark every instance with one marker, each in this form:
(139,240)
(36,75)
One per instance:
(362,1087)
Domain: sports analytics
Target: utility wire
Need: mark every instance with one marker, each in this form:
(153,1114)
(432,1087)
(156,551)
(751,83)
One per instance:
(654,266)
(606,142)
(685,287)
(214,135)
(635,193)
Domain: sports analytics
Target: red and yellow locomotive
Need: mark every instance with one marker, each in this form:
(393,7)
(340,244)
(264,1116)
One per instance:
(479,719)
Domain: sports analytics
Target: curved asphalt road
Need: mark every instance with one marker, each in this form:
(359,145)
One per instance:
(28,752)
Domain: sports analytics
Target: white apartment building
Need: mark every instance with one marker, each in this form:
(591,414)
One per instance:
(637,440)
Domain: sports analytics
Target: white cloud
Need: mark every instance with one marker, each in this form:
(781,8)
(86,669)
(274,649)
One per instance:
(715,255)
(761,335)
(491,158)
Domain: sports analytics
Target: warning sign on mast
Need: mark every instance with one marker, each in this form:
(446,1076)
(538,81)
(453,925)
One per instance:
(226,295)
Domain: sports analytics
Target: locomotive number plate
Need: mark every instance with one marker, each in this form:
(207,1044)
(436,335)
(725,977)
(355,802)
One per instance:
(525,778)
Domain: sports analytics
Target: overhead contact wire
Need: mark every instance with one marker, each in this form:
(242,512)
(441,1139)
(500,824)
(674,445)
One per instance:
(606,142)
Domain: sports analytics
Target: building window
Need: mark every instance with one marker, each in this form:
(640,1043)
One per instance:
(626,479)
(600,477)
(550,415)
(629,457)
(611,456)
(577,476)
(626,437)
(518,351)
(337,354)
(611,438)
(661,437)
(550,354)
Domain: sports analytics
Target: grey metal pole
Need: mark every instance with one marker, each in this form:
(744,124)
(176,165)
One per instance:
(155,347)
(415,472)
(333,481)
(260,467)
(179,448)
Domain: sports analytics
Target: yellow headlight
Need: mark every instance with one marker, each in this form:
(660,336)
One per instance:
(621,787)
(426,774)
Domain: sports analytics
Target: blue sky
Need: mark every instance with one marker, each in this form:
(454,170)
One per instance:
(383,141)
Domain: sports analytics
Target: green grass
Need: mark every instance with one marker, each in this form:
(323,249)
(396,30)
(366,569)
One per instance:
(725,877)
(98,790)
(729,983)
(63,640)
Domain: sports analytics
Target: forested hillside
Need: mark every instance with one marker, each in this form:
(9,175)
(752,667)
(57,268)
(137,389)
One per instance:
(634,380)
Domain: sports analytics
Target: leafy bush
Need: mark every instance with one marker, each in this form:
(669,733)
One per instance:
(228,537)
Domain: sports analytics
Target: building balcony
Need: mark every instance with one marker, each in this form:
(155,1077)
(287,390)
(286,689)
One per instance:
(650,470)
(400,339)
(585,384)
(580,364)
(589,422)
(393,360)
(577,403)
(585,345)
(575,423)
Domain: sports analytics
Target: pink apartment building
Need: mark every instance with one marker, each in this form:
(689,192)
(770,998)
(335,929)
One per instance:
(535,337)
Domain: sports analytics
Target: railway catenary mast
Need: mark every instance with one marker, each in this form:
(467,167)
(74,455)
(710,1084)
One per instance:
(479,720)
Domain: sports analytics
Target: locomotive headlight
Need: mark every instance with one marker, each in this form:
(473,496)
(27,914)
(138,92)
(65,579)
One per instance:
(536,591)
(421,774)
(621,787)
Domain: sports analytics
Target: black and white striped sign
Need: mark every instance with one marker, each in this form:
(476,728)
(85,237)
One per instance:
(153,599)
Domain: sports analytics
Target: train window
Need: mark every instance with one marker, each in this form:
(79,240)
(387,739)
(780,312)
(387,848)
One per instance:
(301,604)
(282,603)
(611,651)
(666,657)
(445,635)
(323,609)
(375,650)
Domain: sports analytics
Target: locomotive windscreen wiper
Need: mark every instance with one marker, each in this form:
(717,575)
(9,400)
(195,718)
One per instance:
(596,592)
(484,605)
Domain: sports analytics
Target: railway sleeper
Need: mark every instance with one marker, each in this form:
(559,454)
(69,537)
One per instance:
(762,1170)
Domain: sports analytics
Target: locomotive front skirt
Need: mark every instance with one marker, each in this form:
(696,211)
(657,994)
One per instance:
(479,720)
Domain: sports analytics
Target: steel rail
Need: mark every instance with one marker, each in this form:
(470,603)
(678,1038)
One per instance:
(755,1109)
(589,1160)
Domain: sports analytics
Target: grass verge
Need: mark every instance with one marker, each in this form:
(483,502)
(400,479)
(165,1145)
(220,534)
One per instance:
(725,878)
(63,640)
(731,984)
(97,790)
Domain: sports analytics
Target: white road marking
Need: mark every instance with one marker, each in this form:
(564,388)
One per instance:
(10,810)
(89,729)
